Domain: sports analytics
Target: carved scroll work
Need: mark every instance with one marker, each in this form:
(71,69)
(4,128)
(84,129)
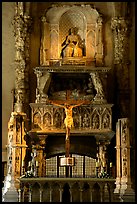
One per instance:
(22,25)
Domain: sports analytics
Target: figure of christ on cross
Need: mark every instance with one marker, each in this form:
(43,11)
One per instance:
(69,117)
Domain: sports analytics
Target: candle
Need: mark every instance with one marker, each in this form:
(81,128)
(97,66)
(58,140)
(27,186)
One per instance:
(37,163)
(23,163)
(110,164)
(104,164)
(97,164)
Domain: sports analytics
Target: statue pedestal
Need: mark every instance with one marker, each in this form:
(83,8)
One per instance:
(9,191)
(67,161)
(127,193)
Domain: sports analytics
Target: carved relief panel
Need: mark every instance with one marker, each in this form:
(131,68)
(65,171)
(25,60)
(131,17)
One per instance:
(51,118)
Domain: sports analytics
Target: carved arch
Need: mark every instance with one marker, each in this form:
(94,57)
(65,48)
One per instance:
(57,120)
(37,119)
(106,119)
(95,120)
(47,120)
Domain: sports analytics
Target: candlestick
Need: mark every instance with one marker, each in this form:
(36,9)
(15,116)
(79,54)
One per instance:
(23,163)
(97,164)
(37,170)
(37,163)
(110,164)
(30,163)
(110,171)
(23,170)
(104,165)
(97,172)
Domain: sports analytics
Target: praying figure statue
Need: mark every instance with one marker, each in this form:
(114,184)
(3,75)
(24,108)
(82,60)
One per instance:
(73,44)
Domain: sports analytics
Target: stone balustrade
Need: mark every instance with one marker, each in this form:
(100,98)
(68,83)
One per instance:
(66,190)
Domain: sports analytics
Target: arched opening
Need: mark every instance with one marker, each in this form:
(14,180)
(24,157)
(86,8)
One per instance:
(66,193)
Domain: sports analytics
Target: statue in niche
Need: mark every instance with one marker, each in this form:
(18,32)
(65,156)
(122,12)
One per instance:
(76,118)
(36,120)
(57,120)
(47,120)
(73,44)
(106,121)
(95,121)
(85,121)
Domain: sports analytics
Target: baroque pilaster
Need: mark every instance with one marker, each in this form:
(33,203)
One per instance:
(121,28)
(22,25)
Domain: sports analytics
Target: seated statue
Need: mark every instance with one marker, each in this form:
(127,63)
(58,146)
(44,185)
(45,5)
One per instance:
(73,45)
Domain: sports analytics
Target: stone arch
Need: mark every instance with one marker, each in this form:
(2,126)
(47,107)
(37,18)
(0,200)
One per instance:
(95,120)
(47,120)
(56,193)
(72,18)
(76,117)
(91,46)
(86,192)
(96,193)
(46,193)
(66,193)
(57,120)
(37,119)
(35,192)
(86,123)
(106,120)
(75,192)
(106,193)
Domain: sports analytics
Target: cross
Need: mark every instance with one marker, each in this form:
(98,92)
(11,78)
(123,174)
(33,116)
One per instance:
(68,105)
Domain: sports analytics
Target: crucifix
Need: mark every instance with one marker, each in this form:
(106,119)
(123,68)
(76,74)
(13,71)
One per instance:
(68,105)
